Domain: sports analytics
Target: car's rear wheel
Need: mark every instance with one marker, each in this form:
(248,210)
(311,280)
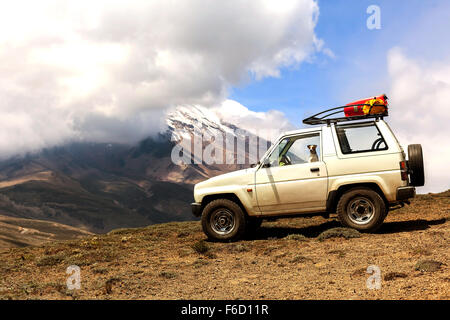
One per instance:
(415,165)
(362,209)
(223,220)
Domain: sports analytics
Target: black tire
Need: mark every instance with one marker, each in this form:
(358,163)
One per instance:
(415,165)
(253,224)
(216,219)
(363,199)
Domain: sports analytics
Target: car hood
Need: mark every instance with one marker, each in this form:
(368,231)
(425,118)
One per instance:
(239,177)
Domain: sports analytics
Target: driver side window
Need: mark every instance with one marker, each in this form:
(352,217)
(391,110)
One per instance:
(296,150)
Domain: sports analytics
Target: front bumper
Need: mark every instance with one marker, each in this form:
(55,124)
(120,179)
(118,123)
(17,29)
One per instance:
(196,209)
(405,193)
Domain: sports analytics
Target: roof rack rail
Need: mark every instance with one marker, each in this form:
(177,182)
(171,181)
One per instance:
(324,115)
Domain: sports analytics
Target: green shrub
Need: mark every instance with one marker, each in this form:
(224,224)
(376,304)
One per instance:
(295,236)
(49,261)
(393,275)
(200,247)
(238,248)
(428,265)
(346,233)
(168,274)
(100,270)
(300,259)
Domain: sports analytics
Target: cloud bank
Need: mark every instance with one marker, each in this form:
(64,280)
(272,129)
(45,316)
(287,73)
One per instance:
(107,70)
(268,125)
(420,112)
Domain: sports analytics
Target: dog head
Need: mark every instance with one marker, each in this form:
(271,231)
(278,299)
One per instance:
(312,148)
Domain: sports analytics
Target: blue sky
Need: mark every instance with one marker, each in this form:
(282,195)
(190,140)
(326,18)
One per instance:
(359,67)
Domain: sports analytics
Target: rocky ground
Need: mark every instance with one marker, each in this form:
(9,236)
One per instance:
(301,258)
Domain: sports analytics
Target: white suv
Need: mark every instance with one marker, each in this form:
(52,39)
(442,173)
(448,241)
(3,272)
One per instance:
(355,169)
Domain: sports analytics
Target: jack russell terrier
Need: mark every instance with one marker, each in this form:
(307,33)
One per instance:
(312,149)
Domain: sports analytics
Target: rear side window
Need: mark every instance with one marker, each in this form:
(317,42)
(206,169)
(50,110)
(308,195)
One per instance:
(364,137)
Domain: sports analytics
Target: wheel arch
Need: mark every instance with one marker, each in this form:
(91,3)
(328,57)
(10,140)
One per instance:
(335,195)
(230,196)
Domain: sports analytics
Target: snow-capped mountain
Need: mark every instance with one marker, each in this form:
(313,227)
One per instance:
(235,145)
(192,118)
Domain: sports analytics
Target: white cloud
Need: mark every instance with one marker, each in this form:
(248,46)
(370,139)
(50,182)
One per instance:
(420,112)
(267,125)
(106,70)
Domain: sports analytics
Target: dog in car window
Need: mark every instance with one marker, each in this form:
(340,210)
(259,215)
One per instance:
(313,154)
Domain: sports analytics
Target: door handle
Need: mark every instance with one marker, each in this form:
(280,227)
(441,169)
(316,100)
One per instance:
(314,169)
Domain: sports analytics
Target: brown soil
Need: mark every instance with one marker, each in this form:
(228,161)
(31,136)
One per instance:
(169,261)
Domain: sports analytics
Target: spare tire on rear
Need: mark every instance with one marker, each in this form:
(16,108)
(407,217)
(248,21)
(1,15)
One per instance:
(415,165)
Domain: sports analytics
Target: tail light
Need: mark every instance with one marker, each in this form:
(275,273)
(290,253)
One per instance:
(404,170)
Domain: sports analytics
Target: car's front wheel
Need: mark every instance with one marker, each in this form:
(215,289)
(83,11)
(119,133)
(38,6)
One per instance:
(223,220)
(362,209)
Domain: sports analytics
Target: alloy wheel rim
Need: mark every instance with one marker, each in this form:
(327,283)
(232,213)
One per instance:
(222,221)
(361,210)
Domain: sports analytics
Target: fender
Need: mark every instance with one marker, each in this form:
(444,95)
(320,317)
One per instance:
(245,194)
(387,181)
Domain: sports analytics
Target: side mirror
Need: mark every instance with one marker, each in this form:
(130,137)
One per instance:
(266,164)
(255,164)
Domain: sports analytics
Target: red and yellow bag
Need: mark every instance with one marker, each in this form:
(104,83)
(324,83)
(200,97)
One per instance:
(374,105)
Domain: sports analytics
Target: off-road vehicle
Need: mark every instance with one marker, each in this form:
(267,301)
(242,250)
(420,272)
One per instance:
(356,169)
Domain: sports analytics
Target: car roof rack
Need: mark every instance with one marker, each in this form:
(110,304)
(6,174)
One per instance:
(324,116)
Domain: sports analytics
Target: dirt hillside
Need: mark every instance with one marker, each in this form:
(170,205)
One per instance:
(301,258)
(18,232)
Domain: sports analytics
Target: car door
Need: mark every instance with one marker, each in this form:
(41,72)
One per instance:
(291,179)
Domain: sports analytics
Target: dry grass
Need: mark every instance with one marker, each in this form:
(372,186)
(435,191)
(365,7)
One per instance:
(175,261)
